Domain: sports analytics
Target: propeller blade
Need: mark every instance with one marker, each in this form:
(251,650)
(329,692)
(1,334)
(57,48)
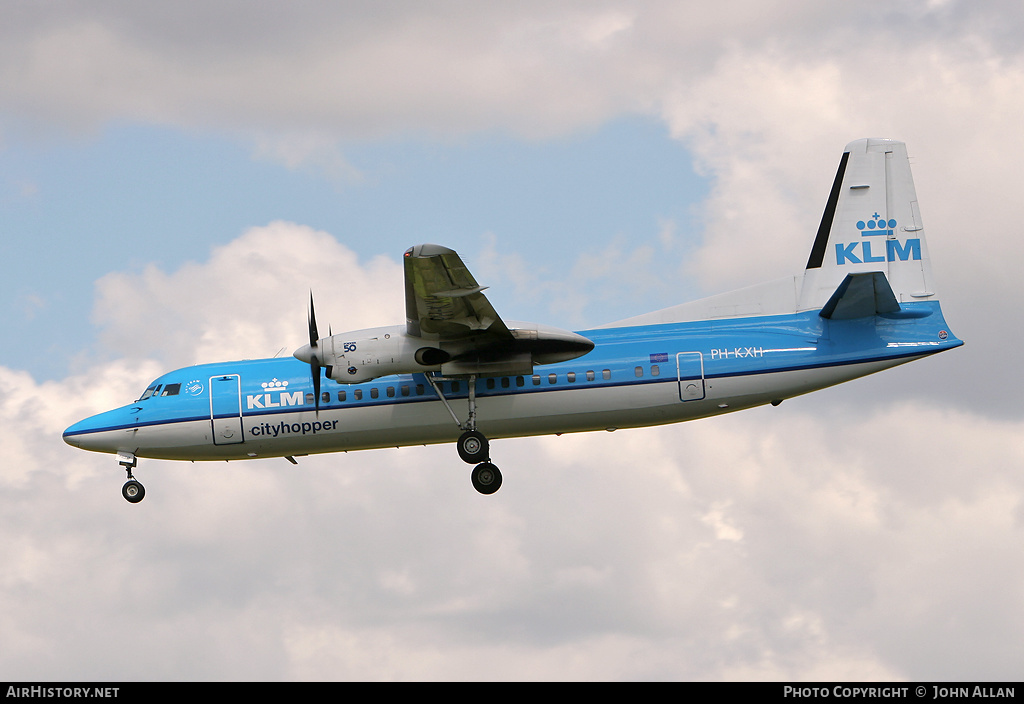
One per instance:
(314,360)
(314,364)
(314,337)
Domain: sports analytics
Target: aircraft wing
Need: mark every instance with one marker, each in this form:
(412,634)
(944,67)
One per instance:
(446,307)
(444,302)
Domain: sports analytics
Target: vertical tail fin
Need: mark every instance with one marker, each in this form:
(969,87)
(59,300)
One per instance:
(871,223)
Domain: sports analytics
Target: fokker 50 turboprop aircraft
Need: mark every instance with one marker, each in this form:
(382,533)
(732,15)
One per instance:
(457,372)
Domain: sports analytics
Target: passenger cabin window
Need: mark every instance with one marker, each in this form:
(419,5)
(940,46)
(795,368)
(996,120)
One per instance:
(571,376)
(639,372)
(552,378)
(655,370)
(358,394)
(374,392)
(536,379)
(606,374)
(590,375)
(341,395)
(310,398)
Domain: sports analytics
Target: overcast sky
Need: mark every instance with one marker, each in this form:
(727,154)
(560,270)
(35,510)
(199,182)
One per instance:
(176,177)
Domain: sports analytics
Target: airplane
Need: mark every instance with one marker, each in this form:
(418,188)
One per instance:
(457,372)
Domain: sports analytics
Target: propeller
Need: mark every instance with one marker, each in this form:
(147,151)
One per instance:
(314,358)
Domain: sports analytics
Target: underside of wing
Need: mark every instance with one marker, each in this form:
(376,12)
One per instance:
(443,301)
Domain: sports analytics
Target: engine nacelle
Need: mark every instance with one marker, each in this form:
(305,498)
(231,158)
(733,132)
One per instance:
(362,355)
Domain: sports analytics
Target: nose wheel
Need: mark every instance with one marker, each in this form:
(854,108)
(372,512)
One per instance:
(132,491)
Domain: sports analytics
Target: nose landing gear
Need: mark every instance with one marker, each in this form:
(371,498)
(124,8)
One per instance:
(132,491)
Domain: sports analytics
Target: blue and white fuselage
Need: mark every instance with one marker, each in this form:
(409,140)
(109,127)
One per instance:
(635,376)
(842,319)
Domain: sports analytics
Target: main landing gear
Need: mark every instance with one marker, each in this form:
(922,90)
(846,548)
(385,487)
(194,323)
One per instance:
(132,491)
(472,444)
(486,478)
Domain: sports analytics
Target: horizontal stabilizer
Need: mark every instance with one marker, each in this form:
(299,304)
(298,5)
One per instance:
(859,296)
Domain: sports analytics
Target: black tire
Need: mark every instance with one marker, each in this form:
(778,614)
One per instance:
(486,478)
(473,447)
(133,492)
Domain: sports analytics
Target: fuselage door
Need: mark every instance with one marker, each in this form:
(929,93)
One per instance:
(226,409)
(690,372)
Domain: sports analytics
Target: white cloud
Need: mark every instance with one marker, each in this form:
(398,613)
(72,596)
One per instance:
(251,299)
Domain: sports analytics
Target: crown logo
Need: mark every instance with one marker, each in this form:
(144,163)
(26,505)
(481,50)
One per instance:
(877,226)
(274,384)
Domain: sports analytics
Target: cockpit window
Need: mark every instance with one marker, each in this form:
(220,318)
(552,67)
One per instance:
(161,390)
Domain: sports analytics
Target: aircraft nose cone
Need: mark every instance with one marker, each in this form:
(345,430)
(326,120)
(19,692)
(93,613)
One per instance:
(104,432)
(71,439)
(76,433)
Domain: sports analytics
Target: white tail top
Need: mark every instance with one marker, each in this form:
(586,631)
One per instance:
(871,223)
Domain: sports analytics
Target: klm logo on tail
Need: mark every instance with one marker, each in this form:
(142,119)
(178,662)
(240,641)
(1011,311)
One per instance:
(860,252)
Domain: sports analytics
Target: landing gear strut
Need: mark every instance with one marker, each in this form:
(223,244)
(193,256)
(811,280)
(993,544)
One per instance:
(132,491)
(472,445)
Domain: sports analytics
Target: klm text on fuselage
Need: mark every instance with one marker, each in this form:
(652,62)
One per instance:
(284,398)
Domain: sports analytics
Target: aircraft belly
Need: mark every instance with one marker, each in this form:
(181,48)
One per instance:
(581,409)
(735,393)
(183,440)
